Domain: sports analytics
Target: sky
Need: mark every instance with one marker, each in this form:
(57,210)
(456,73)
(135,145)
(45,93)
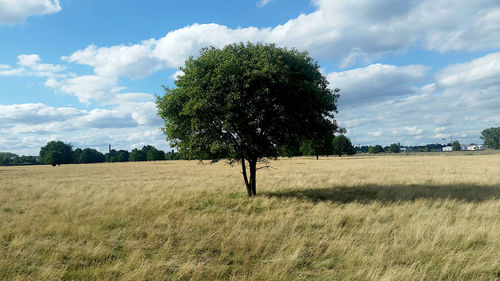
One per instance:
(87,72)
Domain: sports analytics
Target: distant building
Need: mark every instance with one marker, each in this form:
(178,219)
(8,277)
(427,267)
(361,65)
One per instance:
(405,149)
(447,148)
(473,146)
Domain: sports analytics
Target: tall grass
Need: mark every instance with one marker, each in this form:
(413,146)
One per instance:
(354,218)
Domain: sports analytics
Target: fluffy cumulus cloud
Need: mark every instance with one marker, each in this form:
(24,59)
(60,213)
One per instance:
(463,101)
(127,126)
(349,32)
(481,72)
(376,83)
(30,65)
(16,11)
(86,88)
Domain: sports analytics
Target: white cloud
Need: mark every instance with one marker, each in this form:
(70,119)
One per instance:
(263,3)
(376,83)
(35,113)
(177,74)
(16,11)
(463,101)
(376,133)
(480,72)
(133,61)
(350,32)
(413,130)
(87,88)
(27,127)
(33,61)
(29,65)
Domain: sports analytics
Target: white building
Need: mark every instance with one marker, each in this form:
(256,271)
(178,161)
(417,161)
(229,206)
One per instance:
(447,148)
(475,147)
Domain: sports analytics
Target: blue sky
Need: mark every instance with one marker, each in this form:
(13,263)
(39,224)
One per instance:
(86,72)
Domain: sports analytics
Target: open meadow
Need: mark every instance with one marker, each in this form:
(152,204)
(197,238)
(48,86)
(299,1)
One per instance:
(350,218)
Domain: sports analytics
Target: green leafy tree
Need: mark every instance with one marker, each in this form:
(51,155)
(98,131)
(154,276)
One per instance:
(306,148)
(246,102)
(7,158)
(375,149)
(123,155)
(77,156)
(90,155)
(491,137)
(154,154)
(455,146)
(342,145)
(111,156)
(137,155)
(394,148)
(56,153)
(172,155)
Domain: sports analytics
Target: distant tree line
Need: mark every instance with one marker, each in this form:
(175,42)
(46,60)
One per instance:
(397,148)
(11,159)
(58,152)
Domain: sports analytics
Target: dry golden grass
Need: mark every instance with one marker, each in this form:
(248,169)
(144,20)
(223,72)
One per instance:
(355,218)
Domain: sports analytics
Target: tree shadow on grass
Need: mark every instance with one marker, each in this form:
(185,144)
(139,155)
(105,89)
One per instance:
(392,193)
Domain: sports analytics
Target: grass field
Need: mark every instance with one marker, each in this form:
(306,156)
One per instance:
(353,218)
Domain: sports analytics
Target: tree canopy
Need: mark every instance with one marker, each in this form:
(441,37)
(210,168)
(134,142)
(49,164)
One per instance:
(375,149)
(394,148)
(491,137)
(56,153)
(455,146)
(247,103)
(342,145)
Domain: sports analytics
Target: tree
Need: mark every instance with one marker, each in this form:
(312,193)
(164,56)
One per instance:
(77,156)
(56,153)
(306,148)
(247,102)
(90,155)
(375,149)
(394,148)
(123,156)
(137,155)
(342,145)
(172,155)
(455,146)
(154,154)
(111,156)
(491,137)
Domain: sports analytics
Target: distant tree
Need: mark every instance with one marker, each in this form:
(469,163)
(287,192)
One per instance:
(491,137)
(455,146)
(56,153)
(90,155)
(25,160)
(7,158)
(154,154)
(394,148)
(246,102)
(362,149)
(123,156)
(342,145)
(172,155)
(77,156)
(111,156)
(4,160)
(375,149)
(137,155)
(306,148)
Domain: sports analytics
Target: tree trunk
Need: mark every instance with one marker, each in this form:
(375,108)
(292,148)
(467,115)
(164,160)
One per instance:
(245,177)
(253,175)
(317,156)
